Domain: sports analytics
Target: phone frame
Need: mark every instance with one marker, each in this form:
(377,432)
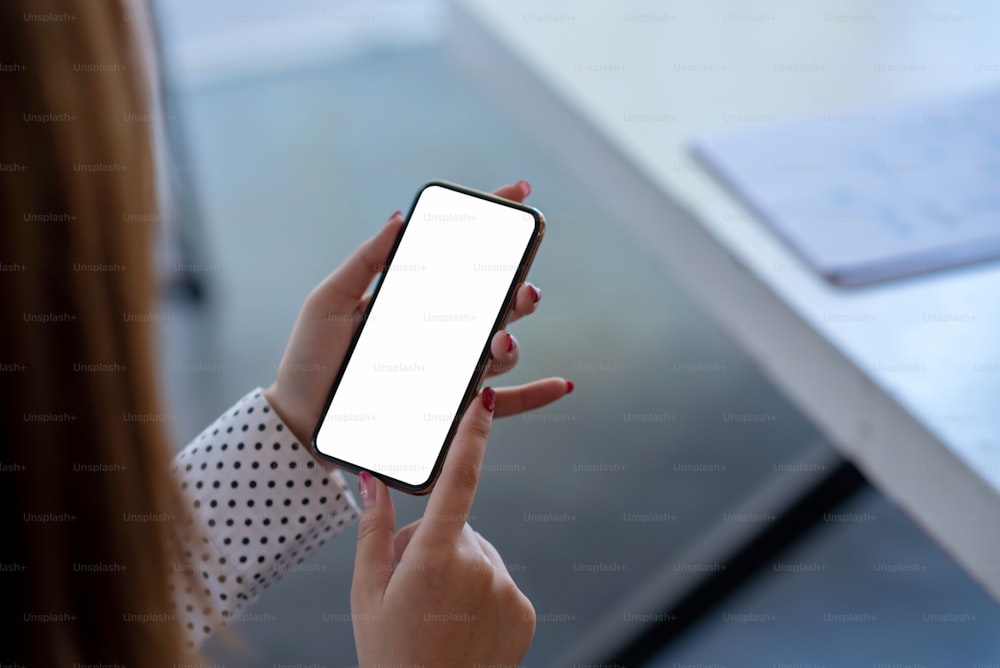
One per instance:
(476,380)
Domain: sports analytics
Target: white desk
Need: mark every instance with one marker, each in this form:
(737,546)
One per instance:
(903,377)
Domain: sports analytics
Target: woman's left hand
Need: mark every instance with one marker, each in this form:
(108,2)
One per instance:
(332,312)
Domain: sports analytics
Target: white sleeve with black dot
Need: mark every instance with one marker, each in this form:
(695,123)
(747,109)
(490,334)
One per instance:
(261,504)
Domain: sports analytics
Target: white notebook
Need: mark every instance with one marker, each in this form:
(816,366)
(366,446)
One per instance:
(871,196)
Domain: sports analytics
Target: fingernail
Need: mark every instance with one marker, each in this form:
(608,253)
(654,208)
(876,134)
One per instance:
(536,294)
(489,398)
(510,341)
(569,386)
(396,214)
(366,487)
(525,187)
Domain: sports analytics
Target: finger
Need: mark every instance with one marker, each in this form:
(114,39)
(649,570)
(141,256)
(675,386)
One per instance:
(360,309)
(523,398)
(363,302)
(504,352)
(515,191)
(526,302)
(402,539)
(373,564)
(348,282)
(451,500)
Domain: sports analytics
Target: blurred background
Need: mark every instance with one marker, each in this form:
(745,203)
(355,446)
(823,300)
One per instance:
(649,523)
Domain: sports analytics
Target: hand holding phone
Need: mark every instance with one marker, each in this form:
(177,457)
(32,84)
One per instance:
(423,344)
(329,318)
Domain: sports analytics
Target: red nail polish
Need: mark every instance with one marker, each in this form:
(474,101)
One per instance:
(536,294)
(489,398)
(525,187)
(569,386)
(510,341)
(366,487)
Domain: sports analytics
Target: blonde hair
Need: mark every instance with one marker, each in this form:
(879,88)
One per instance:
(88,501)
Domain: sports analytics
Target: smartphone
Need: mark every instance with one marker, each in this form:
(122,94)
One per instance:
(423,345)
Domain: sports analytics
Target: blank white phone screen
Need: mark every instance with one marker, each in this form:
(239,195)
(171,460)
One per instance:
(425,333)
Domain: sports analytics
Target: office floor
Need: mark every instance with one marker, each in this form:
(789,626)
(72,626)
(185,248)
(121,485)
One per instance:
(294,170)
(864,589)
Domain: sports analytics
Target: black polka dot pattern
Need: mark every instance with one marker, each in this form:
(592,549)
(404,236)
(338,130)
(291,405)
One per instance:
(263,504)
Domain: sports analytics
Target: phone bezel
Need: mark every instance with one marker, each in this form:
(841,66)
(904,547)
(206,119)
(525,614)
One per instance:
(472,389)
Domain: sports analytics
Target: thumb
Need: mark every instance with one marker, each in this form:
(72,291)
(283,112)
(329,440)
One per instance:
(374,561)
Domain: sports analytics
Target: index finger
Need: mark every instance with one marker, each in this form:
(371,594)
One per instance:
(455,490)
(514,191)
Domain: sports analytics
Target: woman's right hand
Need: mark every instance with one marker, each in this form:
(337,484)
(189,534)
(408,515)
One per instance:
(449,601)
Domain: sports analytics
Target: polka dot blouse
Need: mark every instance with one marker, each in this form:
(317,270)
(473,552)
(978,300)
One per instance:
(262,504)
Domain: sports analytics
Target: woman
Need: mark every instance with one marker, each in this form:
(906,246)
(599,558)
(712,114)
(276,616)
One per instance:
(107,558)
